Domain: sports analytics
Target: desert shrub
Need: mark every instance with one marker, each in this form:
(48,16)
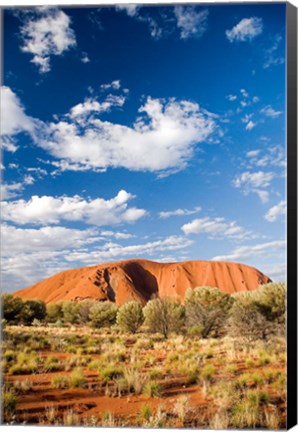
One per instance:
(206,310)
(70,311)
(27,363)
(11,308)
(71,418)
(8,403)
(103,314)
(134,379)
(181,407)
(164,316)
(84,308)
(246,320)
(130,316)
(76,378)
(54,312)
(145,412)
(52,364)
(31,310)
(207,372)
(152,389)
(111,372)
(22,386)
(270,300)
(60,382)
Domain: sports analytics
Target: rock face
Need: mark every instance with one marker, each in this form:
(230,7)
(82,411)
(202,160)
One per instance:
(139,279)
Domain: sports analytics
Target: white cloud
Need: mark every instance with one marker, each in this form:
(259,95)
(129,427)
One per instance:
(130,9)
(191,22)
(253,153)
(169,129)
(115,251)
(255,99)
(276,211)
(85,59)
(13,117)
(256,179)
(114,85)
(46,210)
(46,34)
(179,212)
(268,111)
(271,56)
(250,125)
(11,190)
(273,156)
(29,255)
(92,105)
(254,182)
(231,97)
(7,142)
(244,93)
(216,228)
(244,252)
(246,30)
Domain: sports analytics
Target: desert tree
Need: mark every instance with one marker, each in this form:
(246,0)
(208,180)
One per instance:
(11,308)
(164,315)
(207,310)
(84,308)
(246,320)
(103,314)
(32,310)
(130,316)
(70,311)
(54,312)
(270,299)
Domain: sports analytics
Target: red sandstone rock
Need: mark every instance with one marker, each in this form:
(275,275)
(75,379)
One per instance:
(139,279)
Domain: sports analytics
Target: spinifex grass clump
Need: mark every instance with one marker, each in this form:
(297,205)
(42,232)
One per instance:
(27,363)
(77,379)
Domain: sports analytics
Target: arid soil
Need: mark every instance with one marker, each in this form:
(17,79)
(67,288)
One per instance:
(197,382)
(141,279)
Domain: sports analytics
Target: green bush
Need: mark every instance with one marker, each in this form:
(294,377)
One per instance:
(11,308)
(130,317)
(84,308)
(32,310)
(70,311)
(103,314)
(54,312)
(207,310)
(164,316)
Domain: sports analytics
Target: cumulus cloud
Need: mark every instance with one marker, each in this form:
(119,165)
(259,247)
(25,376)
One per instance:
(254,182)
(92,105)
(13,117)
(115,251)
(11,190)
(216,228)
(190,22)
(32,254)
(246,30)
(29,255)
(46,33)
(170,129)
(46,210)
(179,212)
(268,111)
(276,211)
(273,156)
(244,252)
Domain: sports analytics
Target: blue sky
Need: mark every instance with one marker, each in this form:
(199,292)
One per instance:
(142,132)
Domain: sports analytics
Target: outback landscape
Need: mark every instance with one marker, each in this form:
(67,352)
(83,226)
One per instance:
(143,215)
(207,359)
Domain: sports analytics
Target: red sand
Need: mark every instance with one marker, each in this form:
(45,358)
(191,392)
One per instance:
(139,279)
